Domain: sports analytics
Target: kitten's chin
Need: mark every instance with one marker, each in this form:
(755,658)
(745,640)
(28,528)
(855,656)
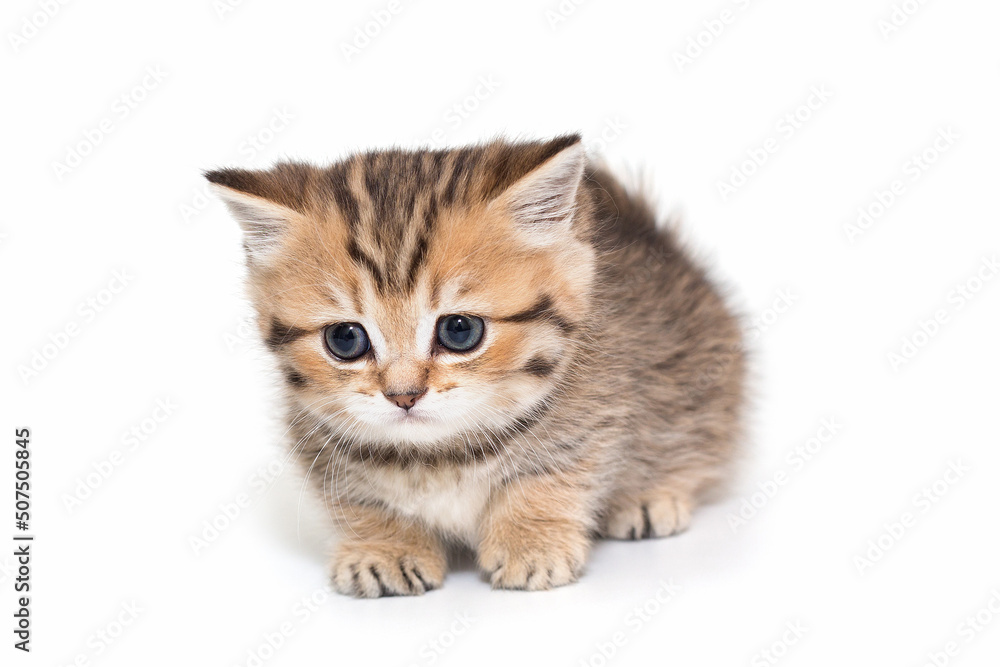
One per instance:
(413,427)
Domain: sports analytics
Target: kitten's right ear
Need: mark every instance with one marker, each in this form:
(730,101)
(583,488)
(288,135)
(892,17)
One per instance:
(543,202)
(252,199)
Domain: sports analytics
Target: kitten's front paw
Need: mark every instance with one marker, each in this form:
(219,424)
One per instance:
(535,562)
(662,516)
(371,570)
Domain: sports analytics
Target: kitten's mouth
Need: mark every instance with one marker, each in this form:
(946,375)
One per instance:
(411,417)
(418,425)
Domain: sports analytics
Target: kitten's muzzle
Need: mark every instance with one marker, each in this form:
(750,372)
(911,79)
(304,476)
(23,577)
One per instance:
(405,400)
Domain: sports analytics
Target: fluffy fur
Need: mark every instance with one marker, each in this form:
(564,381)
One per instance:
(603,399)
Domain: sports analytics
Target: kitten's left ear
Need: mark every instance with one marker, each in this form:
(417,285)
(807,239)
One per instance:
(263,202)
(543,201)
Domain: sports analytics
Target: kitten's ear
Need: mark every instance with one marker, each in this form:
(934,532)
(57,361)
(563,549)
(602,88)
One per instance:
(260,202)
(543,201)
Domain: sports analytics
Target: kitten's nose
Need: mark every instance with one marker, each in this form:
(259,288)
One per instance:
(405,400)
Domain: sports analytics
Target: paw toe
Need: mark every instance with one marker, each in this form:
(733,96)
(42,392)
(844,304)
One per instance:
(669,516)
(368,572)
(519,574)
(658,517)
(625,523)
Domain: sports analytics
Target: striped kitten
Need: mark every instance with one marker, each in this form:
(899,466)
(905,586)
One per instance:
(492,346)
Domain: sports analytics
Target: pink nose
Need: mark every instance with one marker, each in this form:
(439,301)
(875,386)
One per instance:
(407,400)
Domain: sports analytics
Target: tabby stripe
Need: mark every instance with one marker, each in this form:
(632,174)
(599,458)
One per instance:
(420,251)
(416,261)
(377,188)
(542,311)
(500,175)
(346,201)
(281,333)
(539,367)
(295,378)
(431,213)
(361,258)
(522,425)
(411,202)
(420,168)
(438,166)
(391,456)
(459,168)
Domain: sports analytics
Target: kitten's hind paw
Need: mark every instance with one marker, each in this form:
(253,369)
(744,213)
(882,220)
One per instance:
(661,516)
(368,570)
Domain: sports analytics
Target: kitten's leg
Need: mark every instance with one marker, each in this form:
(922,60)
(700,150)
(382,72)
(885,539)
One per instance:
(381,555)
(535,533)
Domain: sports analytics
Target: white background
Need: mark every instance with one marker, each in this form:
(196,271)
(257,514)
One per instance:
(178,330)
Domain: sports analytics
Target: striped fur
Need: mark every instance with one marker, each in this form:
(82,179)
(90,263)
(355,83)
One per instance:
(604,398)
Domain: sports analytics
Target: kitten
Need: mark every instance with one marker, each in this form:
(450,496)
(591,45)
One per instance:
(493,346)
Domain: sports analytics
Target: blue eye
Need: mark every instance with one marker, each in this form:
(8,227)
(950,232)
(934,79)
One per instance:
(459,333)
(346,340)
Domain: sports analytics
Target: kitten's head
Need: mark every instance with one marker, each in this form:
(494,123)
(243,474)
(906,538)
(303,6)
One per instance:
(412,297)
